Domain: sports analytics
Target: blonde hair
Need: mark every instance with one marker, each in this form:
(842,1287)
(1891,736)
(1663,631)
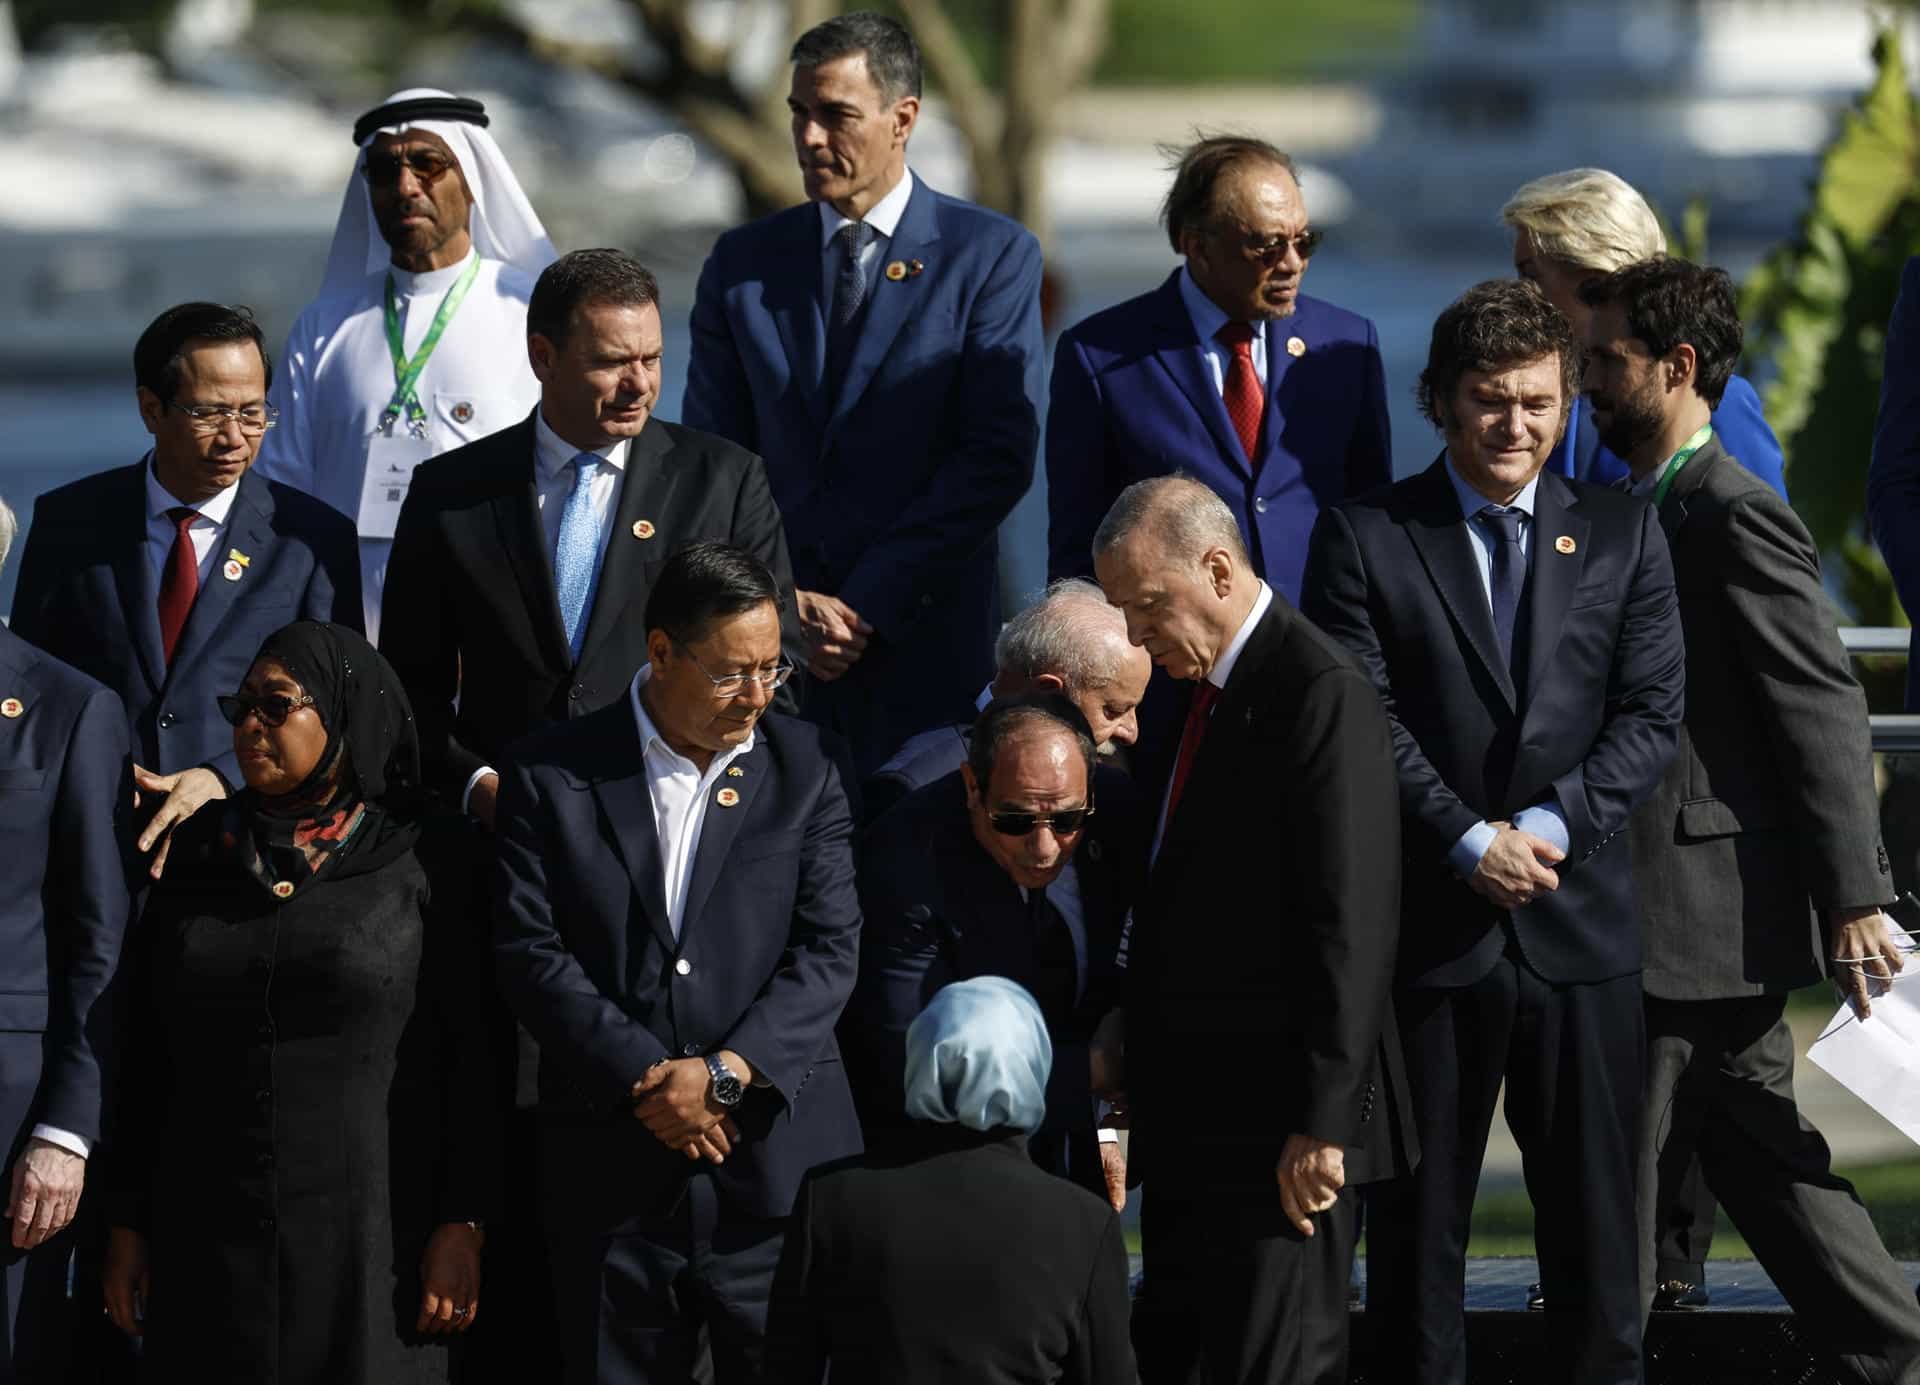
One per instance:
(8,528)
(1587,217)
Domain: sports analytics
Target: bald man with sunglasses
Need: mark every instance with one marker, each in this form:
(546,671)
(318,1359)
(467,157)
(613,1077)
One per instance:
(962,878)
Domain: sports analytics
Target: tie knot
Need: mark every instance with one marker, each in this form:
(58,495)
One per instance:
(1504,522)
(182,517)
(854,236)
(1204,696)
(583,466)
(1236,337)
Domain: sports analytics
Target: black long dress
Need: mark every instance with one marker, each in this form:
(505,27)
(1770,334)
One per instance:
(306,1095)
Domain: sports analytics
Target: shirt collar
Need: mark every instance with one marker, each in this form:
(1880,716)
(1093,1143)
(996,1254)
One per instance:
(650,736)
(553,454)
(884,216)
(1472,502)
(1222,668)
(215,508)
(1208,316)
(407,284)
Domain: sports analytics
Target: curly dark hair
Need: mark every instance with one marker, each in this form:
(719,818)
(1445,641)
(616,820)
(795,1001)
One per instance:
(1669,301)
(1500,323)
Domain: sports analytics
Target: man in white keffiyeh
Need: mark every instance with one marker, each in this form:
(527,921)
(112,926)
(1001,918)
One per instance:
(417,342)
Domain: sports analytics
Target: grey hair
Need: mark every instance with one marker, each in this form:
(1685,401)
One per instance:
(893,59)
(1070,632)
(1588,218)
(9,526)
(1184,514)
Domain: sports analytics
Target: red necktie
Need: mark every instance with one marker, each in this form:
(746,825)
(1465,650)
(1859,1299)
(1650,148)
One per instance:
(1246,401)
(1204,695)
(179,580)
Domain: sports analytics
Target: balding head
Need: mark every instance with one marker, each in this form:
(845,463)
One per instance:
(1170,555)
(1072,641)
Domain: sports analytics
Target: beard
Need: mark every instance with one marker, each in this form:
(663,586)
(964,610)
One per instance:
(1632,420)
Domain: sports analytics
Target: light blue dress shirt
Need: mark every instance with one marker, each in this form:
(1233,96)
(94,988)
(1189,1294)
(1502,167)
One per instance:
(1543,819)
(1208,318)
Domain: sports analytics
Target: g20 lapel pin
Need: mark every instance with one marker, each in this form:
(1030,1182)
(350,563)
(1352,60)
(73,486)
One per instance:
(1296,347)
(896,270)
(462,412)
(1564,544)
(232,569)
(12,708)
(643,528)
(726,798)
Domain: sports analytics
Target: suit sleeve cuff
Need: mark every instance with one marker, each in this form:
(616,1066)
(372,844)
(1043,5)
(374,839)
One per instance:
(1544,819)
(473,779)
(1464,855)
(66,1139)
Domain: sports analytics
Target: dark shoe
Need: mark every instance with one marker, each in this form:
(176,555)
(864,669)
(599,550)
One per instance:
(1678,1296)
(1536,1298)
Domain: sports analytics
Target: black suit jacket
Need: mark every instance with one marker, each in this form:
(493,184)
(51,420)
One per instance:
(1592,724)
(960,1264)
(470,609)
(1769,809)
(1262,955)
(937,909)
(66,794)
(90,597)
(766,956)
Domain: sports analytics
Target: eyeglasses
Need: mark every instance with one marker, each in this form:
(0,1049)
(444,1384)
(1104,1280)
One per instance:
(1272,251)
(273,709)
(733,684)
(1064,821)
(213,418)
(382,168)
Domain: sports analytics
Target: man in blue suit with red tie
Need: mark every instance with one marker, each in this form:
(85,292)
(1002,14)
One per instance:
(881,351)
(1275,400)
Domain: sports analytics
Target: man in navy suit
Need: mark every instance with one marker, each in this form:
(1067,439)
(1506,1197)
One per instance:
(1522,632)
(677,926)
(1227,372)
(1893,481)
(881,350)
(161,579)
(65,794)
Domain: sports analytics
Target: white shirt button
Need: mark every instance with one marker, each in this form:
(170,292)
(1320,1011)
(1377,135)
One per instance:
(683,966)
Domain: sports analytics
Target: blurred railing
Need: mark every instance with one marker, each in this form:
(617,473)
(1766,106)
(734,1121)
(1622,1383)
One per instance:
(1894,733)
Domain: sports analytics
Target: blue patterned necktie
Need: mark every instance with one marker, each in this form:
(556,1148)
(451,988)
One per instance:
(849,292)
(1508,570)
(575,554)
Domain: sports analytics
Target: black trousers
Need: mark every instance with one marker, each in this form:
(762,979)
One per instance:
(639,1303)
(1683,1221)
(1234,1295)
(1720,1087)
(1573,1060)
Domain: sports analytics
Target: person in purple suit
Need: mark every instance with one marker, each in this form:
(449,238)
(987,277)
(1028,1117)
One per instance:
(1226,371)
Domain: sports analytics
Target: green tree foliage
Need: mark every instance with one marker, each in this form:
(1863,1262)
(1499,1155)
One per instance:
(1816,313)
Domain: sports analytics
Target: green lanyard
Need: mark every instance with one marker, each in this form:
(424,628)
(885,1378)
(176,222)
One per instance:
(406,373)
(1678,460)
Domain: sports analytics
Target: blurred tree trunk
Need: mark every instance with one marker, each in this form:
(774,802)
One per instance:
(1042,50)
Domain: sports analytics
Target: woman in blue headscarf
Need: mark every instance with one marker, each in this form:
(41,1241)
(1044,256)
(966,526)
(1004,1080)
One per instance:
(955,1258)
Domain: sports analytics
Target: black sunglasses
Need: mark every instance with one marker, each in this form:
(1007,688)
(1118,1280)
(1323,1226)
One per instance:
(1064,823)
(273,709)
(383,169)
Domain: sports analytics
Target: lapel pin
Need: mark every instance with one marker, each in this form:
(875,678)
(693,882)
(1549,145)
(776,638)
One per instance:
(643,528)
(12,707)
(232,570)
(462,412)
(735,772)
(235,555)
(726,798)
(896,270)
(1564,544)
(1296,347)
(283,890)
(914,267)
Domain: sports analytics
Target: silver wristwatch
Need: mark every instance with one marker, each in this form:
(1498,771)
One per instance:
(726,1087)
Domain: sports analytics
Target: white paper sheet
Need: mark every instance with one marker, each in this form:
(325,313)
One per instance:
(1878,1058)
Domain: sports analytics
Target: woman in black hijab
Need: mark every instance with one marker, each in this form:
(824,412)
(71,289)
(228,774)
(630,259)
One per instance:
(306,1141)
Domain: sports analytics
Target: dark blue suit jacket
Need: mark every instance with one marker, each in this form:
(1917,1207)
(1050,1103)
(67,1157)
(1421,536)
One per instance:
(1893,481)
(766,958)
(893,491)
(1739,423)
(1132,399)
(89,595)
(1590,721)
(66,794)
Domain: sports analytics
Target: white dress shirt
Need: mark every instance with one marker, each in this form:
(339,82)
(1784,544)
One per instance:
(1543,819)
(1208,318)
(680,794)
(883,216)
(204,532)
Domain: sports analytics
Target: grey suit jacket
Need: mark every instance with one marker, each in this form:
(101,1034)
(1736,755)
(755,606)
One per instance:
(1768,813)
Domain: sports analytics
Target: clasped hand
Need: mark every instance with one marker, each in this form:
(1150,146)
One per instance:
(836,635)
(674,1100)
(1311,1174)
(1516,867)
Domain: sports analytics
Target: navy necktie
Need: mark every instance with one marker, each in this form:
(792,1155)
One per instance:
(1509,571)
(849,294)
